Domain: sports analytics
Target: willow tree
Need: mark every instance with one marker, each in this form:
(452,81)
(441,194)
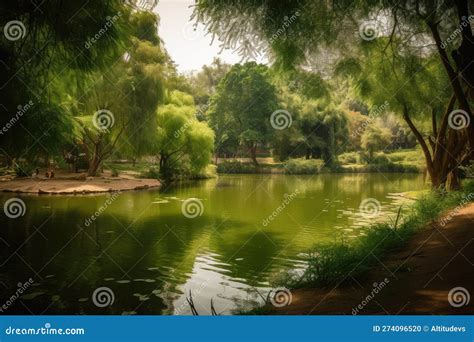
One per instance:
(41,42)
(415,88)
(183,144)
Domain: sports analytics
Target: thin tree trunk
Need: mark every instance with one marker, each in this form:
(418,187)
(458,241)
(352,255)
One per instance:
(454,80)
(453,180)
(253,153)
(95,162)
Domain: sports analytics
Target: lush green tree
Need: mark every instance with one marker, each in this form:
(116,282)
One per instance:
(126,95)
(241,109)
(374,139)
(204,83)
(184,145)
(36,51)
(423,94)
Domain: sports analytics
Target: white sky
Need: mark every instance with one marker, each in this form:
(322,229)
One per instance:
(189,48)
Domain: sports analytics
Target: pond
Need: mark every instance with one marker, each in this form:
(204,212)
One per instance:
(220,238)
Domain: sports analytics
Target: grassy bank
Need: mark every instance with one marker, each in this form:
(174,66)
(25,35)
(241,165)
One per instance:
(400,161)
(331,265)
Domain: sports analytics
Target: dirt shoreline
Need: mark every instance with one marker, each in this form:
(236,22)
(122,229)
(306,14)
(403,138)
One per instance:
(70,186)
(417,279)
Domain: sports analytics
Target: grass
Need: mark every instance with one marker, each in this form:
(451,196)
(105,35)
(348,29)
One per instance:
(403,161)
(330,265)
(400,161)
(302,166)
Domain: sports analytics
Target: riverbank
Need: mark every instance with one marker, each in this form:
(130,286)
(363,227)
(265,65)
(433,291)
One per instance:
(415,279)
(75,184)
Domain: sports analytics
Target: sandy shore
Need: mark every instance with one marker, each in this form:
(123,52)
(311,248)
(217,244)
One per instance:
(76,186)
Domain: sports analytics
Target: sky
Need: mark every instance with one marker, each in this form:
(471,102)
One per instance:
(189,48)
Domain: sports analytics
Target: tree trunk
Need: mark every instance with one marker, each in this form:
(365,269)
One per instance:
(453,181)
(95,162)
(253,153)
(454,81)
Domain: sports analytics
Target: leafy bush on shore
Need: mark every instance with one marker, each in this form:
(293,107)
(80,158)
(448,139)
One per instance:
(301,166)
(236,167)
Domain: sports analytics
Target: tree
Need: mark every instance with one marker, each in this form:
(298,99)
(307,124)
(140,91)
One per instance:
(126,94)
(424,91)
(374,139)
(242,106)
(38,53)
(184,145)
(204,83)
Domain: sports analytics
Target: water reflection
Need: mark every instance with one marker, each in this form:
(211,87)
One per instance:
(150,255)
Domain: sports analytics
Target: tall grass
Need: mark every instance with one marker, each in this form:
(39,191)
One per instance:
(330,265)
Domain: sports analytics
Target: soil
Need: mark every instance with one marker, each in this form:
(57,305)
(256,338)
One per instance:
(75,184)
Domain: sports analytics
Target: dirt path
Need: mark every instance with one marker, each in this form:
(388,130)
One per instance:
(75,186)
(417,279)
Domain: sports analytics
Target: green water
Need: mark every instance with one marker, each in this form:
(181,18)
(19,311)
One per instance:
(150,255)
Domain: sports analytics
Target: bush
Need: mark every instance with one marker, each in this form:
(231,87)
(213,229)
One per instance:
(303,166)
(23,169)
(236,167)
(152,172)
(391,167)
(114,172)
(349,158)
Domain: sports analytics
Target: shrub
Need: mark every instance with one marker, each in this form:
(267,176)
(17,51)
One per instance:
(236,167)
(152,172)
(23,169)
(114,172)
(303,166)
(349,158)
